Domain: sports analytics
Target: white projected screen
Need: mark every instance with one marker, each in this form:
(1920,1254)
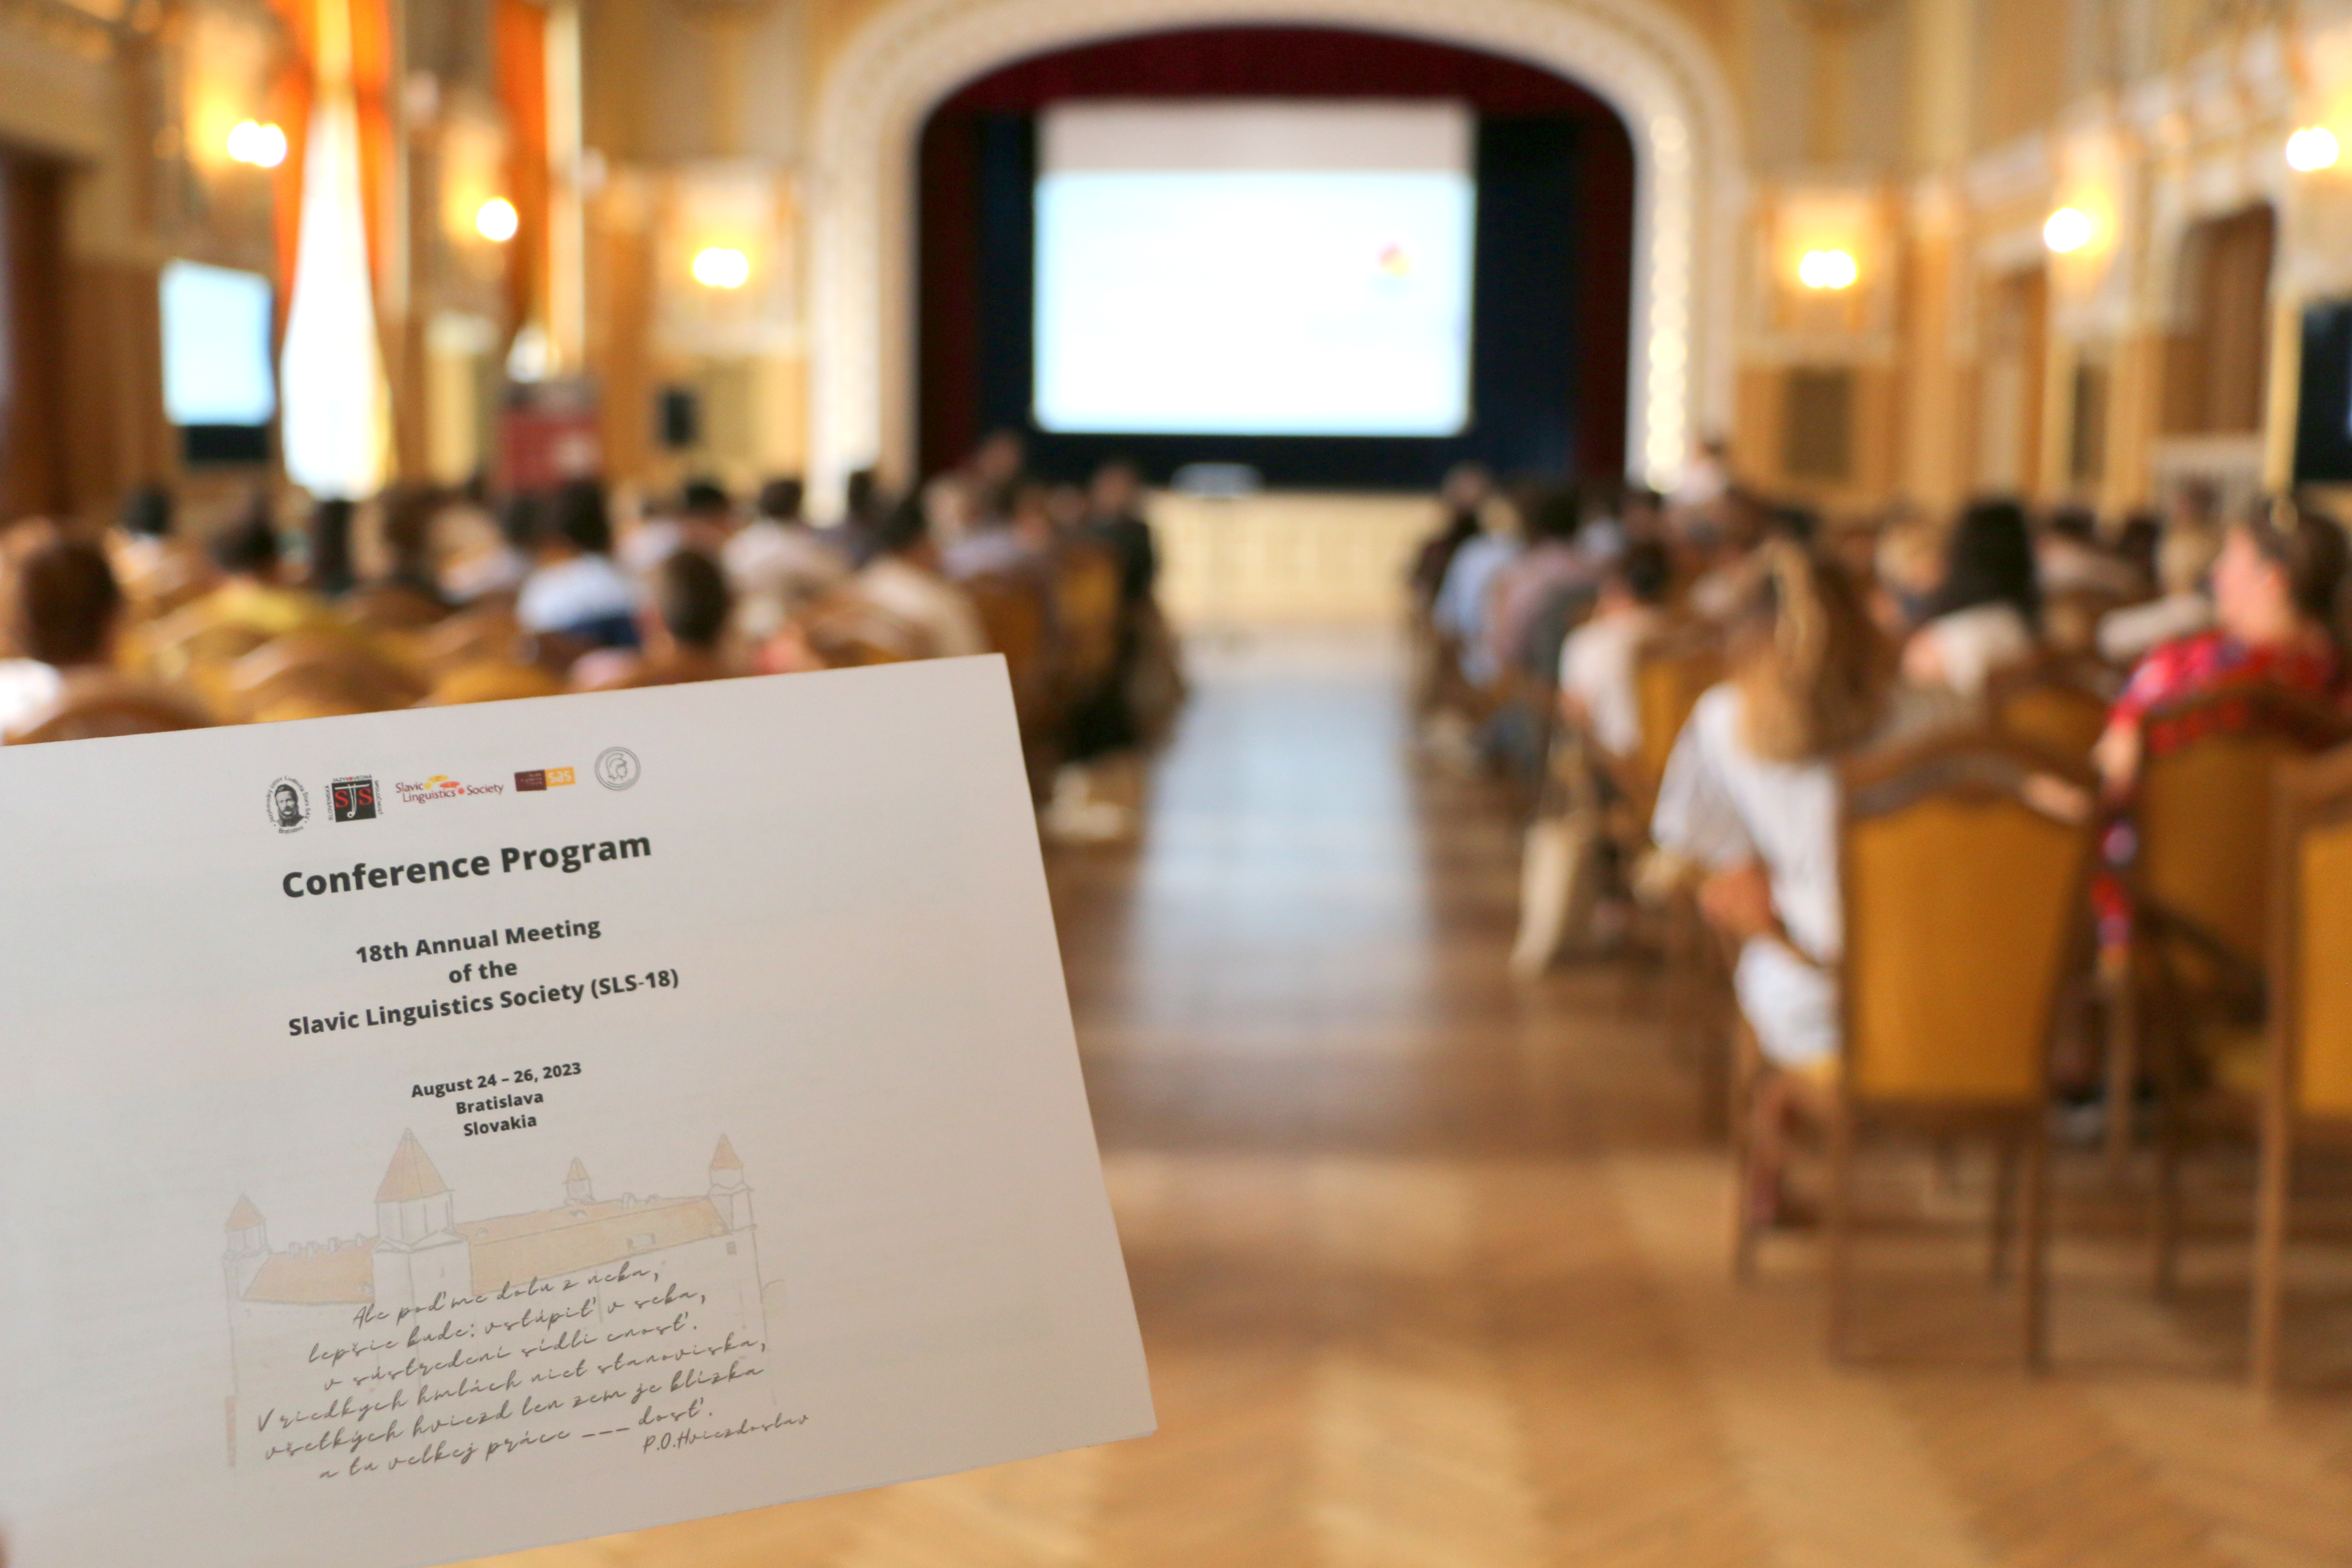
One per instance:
(1248,267)
(216,346)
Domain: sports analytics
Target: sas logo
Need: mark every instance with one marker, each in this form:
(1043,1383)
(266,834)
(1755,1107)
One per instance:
(353,799)
(544,778)
(290,805)
(441,786)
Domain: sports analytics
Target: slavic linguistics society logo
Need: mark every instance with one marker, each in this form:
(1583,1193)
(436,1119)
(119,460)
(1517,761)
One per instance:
(290,805)
(353,799)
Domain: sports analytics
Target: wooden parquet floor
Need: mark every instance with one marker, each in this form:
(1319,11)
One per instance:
(1431,1266)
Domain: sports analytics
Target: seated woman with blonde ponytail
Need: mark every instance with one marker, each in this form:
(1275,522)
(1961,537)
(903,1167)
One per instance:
(1751,797)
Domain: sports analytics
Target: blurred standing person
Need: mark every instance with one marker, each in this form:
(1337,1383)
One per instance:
(329,569)
(777,566)
(575,590)
(1115,514)
(1985,613)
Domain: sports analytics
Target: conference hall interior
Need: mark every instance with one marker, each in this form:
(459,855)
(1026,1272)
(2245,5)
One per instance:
(1683,664)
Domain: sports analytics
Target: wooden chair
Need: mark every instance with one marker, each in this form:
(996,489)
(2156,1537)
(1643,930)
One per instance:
(390,607)
(1016,612)
(2202,809)
(2058,701)
(332,669)
(2069,620)
(2308,1096)
(1963,863)
(1090,612)
(472,635)
(1669,678)
(847,633)
(491,681)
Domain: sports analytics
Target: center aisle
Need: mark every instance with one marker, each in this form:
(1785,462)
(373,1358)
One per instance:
(1432,1266)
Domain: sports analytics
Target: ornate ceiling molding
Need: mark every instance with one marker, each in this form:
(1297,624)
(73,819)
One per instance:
(1635,54)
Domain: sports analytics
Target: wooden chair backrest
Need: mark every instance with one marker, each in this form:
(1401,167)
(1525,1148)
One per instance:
(390,607)
(2311,983)
(467,637)
(492,680)
(2058,702)
(114,707)
(2202,806)
(1963,899)
(1014,615)
(1669,678)
(2070,619)
(1088,608)
(321,666)
(846,632)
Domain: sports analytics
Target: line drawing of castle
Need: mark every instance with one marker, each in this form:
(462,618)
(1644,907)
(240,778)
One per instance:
(283,1301)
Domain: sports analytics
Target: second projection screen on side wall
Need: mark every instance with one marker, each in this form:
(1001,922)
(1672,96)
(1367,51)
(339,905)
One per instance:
(1253,268)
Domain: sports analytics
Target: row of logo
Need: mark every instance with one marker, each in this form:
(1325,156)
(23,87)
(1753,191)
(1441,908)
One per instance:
(360,798)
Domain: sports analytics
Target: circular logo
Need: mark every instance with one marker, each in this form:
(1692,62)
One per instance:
(290,805)
(616,767)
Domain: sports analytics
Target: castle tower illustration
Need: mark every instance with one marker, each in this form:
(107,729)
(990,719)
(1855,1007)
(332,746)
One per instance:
(728,1192)
(284,1302)
(248,1246)
(419,1256)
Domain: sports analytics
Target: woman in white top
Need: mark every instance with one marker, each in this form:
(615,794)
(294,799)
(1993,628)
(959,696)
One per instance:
(1750,797)
(1987,613)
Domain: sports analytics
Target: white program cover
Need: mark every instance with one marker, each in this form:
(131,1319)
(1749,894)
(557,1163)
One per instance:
(433,1134)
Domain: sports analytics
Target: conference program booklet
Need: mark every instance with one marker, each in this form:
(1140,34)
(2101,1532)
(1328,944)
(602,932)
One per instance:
(439,1134)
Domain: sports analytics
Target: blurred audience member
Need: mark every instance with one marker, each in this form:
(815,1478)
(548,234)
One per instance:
(1010,544)
(1750,797)
(1466,599)
(574,589)
(903,581)
(2069,559)
(478,566)
(1550,567)
(1596,662)
(1465,489)
(247,555)
(2275,585)
(1985,614)
(61,611)
(1907,562)
(777,564)
(681,627)
(2183,558)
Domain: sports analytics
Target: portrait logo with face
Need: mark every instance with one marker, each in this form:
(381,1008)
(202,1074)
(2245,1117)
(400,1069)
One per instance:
(290,805)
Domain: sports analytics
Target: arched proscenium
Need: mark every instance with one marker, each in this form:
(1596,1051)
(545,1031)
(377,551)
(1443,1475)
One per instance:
(1642,60)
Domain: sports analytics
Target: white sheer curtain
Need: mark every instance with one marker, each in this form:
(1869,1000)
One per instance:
(338,406)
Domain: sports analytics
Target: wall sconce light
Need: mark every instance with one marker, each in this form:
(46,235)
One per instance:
(721,267)
(497,220)
(257,143)
(2313,147)
(2069,229)
(1827,269)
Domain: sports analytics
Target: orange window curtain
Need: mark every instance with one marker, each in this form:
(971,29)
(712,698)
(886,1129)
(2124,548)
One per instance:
(521,36)
(291,100)
(290,107)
